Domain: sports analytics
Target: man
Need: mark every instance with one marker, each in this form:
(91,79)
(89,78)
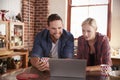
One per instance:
(53,42)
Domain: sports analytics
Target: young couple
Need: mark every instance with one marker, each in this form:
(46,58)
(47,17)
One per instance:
(55,42)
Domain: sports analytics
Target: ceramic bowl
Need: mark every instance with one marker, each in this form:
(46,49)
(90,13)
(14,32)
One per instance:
(114,75)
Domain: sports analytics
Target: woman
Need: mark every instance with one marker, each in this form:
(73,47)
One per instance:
(93,46)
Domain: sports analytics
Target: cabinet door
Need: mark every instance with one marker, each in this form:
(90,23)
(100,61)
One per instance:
(16,35)
(3,35)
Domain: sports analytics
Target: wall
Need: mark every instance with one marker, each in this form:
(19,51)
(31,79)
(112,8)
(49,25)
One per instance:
(14,6)
(35,14)
(41,13)
(115,30)
(28,12)
(59,7)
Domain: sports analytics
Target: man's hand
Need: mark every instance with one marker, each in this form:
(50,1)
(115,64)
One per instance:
(41,64)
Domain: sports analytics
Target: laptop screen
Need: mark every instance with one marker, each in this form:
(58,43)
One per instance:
(67,68)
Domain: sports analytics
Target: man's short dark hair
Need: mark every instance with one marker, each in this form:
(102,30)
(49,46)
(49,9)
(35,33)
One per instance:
(53,17)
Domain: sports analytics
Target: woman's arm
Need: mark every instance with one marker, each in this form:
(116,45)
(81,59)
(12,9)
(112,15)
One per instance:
(106,54)
(93,68)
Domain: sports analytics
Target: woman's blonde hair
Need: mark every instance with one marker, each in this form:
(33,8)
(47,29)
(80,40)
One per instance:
(91,22)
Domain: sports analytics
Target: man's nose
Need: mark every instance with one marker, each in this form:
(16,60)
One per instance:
(57,30)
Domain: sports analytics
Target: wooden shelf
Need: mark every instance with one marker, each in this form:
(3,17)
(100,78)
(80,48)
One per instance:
(24,58)
(12,33)
(23,54)
(3,37)
(115,57)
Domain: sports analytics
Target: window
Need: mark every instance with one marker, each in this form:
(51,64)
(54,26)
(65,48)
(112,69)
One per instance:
(79,10)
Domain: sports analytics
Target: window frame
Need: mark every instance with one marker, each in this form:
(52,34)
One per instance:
(69,6)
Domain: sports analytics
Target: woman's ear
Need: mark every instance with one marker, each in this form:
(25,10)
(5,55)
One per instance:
(96,29)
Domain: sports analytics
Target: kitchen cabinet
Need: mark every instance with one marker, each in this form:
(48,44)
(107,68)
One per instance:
(12,42)
(16,37)
(11,35)
(3,35)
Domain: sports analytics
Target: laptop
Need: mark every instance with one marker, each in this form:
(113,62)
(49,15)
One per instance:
(67,69)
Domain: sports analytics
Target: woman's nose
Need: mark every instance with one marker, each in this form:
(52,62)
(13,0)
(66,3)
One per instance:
(85,33)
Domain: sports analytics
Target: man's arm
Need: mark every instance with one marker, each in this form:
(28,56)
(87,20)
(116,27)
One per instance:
(69,47)
(40,63)
(36,56)
(37,50)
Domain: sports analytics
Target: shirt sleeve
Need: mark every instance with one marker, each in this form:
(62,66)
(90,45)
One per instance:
(69,47)
(80,49)
(106,54)
(37,50)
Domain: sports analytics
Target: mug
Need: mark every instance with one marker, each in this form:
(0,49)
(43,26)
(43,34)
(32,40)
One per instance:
(105,69)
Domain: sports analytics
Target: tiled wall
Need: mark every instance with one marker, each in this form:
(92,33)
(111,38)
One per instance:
(35,18)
